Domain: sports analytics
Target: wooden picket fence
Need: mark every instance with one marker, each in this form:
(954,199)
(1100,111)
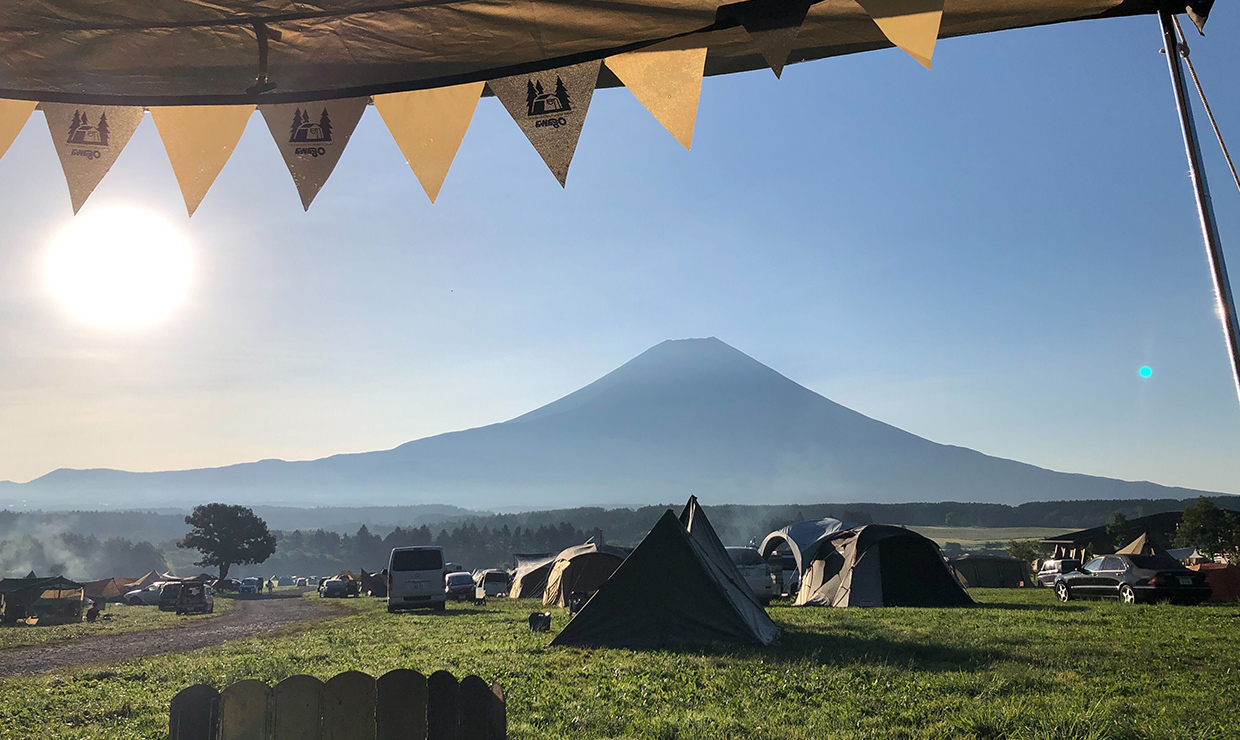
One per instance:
(399,705)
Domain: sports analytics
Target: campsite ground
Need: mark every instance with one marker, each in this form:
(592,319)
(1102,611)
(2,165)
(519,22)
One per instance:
(118,618)
(1018,665)
(977,538)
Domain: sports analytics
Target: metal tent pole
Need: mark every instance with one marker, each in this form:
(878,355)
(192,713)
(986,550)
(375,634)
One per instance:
(1205,209)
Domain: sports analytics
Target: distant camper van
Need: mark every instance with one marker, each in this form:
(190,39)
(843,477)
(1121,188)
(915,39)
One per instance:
(416,579)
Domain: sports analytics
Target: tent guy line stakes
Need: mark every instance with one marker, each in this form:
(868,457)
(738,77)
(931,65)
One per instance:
(1201,189)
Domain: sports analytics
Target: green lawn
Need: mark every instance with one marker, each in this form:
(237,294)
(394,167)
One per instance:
(122,619)
(1018,666)
(977,537)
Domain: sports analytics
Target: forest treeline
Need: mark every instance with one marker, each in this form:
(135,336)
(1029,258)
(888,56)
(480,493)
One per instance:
(321,552)
(84,544)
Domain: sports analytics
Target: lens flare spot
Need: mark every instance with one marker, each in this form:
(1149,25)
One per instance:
(1145,371)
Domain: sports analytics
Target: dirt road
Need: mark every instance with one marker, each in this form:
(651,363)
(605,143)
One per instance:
(250,617)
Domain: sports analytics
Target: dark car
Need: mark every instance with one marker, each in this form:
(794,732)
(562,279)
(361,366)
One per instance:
(1133,578)
(168,596)
(1052,569)
(195,598)
(459,586)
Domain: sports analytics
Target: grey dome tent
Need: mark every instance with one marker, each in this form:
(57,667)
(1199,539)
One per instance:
(802,539)
(879,565)
(678,587)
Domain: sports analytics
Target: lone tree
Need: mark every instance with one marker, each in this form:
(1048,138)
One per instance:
(1213,531)
(227,536)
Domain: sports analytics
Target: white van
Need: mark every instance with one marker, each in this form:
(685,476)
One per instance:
(755,572)
(416,579)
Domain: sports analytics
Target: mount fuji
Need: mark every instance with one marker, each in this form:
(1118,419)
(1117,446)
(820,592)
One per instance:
(686,416)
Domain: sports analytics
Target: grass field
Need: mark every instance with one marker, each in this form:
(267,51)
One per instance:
(122,619)
(1019,665)
(977,537)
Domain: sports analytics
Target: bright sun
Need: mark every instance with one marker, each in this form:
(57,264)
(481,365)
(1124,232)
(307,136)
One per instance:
(121,267)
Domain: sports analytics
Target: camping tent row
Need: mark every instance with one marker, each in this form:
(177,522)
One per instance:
(842,564)
(312,68)
(34,600)
(573,573)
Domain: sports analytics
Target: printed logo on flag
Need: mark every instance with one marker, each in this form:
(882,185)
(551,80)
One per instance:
(306,130)
(540,103)
(82,133)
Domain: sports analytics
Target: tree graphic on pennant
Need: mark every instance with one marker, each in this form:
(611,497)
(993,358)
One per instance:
(297,121)
(73,127)
(530,95)
(561,93)
(103,129)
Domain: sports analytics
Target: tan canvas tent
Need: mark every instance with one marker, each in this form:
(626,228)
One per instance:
(580,570)
(529,579)
(107,589)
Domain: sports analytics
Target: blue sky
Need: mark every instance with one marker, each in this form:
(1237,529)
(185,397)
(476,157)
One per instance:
(984,255)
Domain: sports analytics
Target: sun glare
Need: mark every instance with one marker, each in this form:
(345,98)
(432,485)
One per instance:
(121,267)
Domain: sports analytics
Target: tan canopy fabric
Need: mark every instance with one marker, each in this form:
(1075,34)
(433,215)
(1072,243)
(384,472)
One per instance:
(176,52)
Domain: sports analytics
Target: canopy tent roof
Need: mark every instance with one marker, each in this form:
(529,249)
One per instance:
(172,52)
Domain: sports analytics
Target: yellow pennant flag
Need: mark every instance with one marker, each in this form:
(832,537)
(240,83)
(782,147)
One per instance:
(428,126)
(667,82)
(88,139)
(13,117)
(912,25)
(199,140)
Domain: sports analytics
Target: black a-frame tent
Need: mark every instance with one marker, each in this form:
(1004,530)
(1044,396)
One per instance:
(678,587)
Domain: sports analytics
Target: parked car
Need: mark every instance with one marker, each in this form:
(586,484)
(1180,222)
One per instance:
(302,582)
(459,586)
(196,598)
(1132,579)
(755,571)
(493,583)
(416,578)
(1052,569)
(168,596)
(144,596)
(339,588)
(251,585)
(228,584)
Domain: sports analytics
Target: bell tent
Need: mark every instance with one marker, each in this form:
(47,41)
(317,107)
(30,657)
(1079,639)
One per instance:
(879,565)
(678,587)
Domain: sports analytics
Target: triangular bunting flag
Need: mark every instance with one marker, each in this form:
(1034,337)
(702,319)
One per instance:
(773,26)
(311,137)
(912,25)
(88,139)
(199,139)
(13,117)
(667,82)
(428,126)
(550,107)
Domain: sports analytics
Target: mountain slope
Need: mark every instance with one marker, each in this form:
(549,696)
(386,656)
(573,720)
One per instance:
(687,416)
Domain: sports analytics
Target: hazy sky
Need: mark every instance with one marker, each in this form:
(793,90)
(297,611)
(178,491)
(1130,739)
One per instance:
(984,255)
